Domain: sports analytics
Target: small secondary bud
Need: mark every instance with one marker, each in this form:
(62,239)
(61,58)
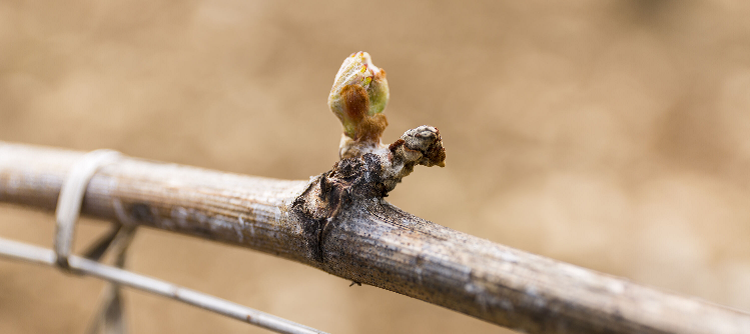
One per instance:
(427,141)
(358,97)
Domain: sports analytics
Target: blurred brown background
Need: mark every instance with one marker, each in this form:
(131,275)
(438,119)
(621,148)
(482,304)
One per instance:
(612,135)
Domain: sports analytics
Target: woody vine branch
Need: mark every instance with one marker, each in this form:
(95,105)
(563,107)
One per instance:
(339,222)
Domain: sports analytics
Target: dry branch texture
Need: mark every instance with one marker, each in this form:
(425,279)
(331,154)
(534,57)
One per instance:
(611,135)
(338,222)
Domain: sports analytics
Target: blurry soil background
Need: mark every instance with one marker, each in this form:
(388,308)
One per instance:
(611,135)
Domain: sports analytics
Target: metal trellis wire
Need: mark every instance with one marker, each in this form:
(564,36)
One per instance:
(109,314)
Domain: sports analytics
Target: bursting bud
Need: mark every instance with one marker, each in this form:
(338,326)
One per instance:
(358,97)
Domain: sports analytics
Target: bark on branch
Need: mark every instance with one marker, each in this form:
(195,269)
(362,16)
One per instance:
(339,223)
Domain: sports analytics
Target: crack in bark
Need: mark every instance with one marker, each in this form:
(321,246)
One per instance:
(348,182)
(367,176)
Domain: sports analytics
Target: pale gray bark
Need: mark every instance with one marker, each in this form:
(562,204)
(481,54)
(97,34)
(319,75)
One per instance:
(338,222)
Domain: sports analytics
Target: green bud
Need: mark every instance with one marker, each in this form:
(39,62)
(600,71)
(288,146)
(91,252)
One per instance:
(358,97)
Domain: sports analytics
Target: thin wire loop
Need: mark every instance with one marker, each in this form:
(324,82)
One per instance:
(66,214)
(70,200)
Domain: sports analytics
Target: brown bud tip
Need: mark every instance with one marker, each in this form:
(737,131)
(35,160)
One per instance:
(356,102)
